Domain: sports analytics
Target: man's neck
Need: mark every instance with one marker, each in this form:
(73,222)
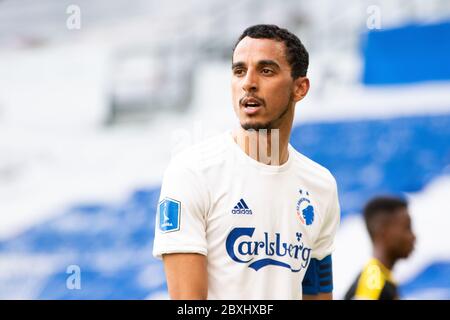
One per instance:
(384,258)
(266,146)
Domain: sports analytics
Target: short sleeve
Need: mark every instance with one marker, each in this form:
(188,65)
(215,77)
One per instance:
(181,213)
(324,244)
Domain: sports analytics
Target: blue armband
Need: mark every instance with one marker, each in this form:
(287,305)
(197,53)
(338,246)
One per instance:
(318,277)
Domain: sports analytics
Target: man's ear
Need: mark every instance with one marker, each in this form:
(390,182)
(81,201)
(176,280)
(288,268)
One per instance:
(301,88)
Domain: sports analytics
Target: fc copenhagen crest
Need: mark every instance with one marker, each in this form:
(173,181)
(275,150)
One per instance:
(305,210)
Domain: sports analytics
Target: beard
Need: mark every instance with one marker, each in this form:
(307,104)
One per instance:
(271,124)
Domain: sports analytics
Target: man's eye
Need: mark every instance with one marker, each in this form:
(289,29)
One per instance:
(238,72)
(267,71)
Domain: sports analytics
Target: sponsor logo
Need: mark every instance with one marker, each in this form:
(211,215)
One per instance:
(169,213)
(241,208)
(242,247)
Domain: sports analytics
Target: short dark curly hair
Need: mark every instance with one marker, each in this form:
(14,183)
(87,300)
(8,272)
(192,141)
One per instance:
(381,205)
(296,54)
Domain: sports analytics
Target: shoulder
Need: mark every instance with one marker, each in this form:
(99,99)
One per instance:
(200,156)
(371,281)
(314,170)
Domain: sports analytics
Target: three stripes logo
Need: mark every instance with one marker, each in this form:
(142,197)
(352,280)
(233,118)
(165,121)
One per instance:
(241,208)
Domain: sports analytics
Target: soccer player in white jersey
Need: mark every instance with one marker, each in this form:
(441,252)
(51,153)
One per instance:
(233,223)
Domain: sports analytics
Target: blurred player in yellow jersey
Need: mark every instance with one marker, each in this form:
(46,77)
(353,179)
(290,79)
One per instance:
(389,226)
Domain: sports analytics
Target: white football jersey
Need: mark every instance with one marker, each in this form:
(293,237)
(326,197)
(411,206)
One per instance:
(259,225)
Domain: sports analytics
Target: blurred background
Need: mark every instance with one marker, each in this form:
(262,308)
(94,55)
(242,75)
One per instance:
(96,96)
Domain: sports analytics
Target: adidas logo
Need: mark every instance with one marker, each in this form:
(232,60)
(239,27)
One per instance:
(241,208)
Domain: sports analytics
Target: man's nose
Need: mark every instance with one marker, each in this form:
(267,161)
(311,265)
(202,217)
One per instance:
(250,83)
